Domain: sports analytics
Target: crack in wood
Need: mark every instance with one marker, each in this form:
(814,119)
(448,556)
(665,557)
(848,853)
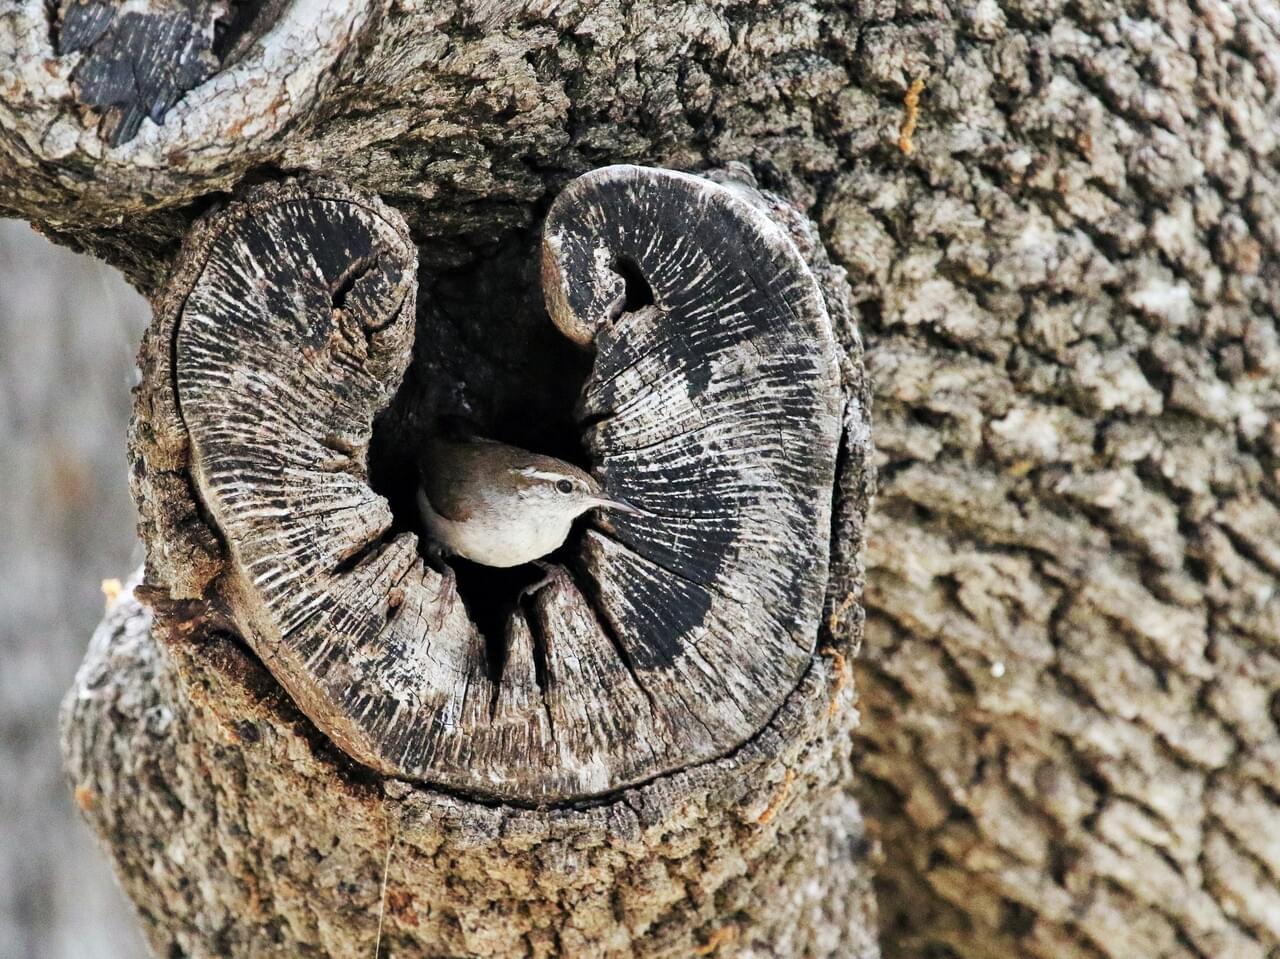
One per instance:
(607,628)
(352,273)
(541,673)
(636,291)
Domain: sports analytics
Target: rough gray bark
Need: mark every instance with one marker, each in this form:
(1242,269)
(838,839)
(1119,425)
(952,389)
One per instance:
(1059,221)
(1070,673)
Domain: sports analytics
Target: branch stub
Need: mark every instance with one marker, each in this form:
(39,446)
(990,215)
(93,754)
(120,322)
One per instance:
(714,405)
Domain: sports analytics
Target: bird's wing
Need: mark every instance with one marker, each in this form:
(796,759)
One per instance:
(451,507)
(443,481)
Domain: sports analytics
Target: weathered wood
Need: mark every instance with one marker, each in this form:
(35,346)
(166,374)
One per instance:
(136,63)
(186,94)
(716,410)
(714,406)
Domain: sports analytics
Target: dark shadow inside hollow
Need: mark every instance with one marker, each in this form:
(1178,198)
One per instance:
(636,290)
(246,21)
(486,356)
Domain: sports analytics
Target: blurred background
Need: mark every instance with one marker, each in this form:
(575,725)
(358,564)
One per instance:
(69,329)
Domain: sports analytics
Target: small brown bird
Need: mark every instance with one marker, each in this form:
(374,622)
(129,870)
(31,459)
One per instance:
(500,505)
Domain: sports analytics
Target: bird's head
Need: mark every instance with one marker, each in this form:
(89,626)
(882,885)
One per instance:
(554,487)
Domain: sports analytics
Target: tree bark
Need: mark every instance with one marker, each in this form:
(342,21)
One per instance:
(239,830)
(1058,223)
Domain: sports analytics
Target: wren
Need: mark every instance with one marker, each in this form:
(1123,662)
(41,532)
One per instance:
(499,505)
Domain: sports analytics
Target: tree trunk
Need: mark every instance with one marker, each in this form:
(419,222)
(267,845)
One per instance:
(1058,223)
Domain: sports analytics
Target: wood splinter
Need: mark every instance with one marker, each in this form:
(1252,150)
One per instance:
(911,116)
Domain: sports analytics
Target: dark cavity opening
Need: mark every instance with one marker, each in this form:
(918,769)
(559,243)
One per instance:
(246,20)
(486,359)
(345,283)
(637,292)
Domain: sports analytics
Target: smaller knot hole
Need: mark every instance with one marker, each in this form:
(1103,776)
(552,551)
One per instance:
(637,293)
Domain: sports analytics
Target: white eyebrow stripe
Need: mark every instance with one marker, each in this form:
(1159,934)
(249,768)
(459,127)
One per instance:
(536,473)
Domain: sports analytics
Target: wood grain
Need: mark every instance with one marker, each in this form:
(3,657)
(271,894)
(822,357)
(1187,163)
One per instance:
(715,408)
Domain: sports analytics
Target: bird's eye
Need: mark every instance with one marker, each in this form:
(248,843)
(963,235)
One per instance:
(564,486)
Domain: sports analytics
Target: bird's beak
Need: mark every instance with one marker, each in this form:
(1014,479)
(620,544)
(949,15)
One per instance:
(622,506)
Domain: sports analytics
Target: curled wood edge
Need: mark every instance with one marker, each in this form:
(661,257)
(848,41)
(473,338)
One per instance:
(158,440)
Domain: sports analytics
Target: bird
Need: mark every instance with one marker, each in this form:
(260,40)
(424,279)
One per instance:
(500,505)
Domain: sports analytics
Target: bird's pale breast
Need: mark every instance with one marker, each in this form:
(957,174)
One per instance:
(492,539)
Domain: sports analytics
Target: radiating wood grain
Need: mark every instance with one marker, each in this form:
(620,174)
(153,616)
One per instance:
(668,641)
(714,405)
